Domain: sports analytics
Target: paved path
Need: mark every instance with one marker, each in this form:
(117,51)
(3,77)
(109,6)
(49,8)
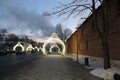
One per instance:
(46,68)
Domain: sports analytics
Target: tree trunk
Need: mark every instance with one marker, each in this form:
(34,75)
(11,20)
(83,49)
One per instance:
(106,55)
(105,33)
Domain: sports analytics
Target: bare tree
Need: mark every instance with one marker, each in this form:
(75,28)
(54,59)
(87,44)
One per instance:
(59,31)
(12,37)
(2,33)
(63,32)
(104,34)
(77,7)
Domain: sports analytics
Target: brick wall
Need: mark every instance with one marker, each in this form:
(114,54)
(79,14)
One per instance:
(88,42)
(72,44)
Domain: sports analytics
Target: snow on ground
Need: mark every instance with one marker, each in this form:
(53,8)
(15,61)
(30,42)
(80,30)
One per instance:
(101,73)
(97,66)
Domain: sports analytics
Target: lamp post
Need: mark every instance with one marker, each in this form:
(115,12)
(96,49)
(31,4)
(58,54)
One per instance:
(77,45)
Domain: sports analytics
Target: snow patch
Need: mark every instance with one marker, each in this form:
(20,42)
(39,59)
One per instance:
(97,65)
(102,73)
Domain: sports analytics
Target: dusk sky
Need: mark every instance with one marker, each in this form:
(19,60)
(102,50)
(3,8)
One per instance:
(26,17)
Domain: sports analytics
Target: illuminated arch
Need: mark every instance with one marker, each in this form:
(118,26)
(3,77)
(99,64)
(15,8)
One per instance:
(54,39)
(36,48)
(18,45)
(29,48)
(54,46)
(40,49)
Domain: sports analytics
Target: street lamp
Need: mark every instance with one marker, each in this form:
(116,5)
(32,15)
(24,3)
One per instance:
(77,45)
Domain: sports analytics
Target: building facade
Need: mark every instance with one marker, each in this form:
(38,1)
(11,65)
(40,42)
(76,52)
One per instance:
(85,41)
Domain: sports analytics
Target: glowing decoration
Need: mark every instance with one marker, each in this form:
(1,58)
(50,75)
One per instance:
(54,39)
(29,48)
(18,45)
(40,49)
(54,46)
(36,48)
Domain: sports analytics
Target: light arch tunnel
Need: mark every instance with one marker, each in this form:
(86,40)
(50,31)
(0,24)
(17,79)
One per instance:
(54,48)
(25,48)
(54,43)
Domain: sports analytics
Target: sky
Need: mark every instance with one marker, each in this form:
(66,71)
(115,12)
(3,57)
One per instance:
(41,6)
(27,17)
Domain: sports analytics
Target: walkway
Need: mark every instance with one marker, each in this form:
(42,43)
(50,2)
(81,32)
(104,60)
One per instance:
(53,67)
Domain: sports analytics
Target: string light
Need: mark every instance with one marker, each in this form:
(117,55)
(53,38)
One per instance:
(18,45)
(54,39)
(54,46)
(29,48)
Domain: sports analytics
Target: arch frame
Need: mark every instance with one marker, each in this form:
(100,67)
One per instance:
(53,39)
(19,45)
(54,46)
(29,47)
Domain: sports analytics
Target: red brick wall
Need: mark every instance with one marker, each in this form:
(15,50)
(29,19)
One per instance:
(72,44)
(114,40)
(89,43)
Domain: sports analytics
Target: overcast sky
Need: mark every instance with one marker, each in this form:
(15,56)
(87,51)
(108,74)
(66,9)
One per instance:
(27,17)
